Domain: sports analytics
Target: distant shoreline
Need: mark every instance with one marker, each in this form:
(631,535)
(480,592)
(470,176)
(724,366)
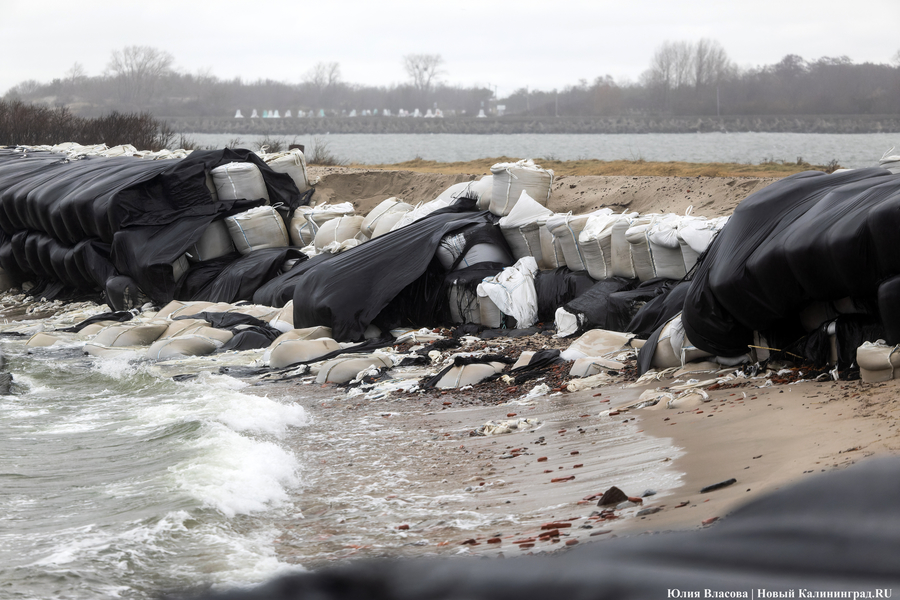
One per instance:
(829,124)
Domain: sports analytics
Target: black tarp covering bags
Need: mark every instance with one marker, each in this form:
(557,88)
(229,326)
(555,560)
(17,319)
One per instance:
(389,281)
(75,226)
(809,237)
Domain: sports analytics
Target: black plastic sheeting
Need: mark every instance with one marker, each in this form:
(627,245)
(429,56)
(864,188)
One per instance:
(80,226)
(249,332)
(659,310)
(234,277)
(836,531)
(807,237)
(390,281)
(555,288)
(597,309)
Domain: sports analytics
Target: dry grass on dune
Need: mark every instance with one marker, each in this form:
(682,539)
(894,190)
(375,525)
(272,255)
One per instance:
(615,167)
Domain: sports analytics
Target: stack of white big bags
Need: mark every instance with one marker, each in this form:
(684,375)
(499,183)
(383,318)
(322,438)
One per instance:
(257,228)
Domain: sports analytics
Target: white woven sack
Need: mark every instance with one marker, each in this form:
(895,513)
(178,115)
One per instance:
(387,223)
(566,228)
(239,181)
(215,242)
(595,241)
(695,234)
(511,179)
(637,236)
(384,209)
(257,228)
(522,227)
(292,163)
(665,250)
(552,256)
(302,230)
(489,313)
(512,290)
(338,230)
(420,211)
(453,245)
(307,220)
(483,190)
(673,349)
(622,260)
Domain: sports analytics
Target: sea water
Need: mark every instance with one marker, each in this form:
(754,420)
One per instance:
(118,480)
(850,150)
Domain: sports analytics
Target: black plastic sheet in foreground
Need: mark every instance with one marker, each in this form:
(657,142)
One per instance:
(839,531)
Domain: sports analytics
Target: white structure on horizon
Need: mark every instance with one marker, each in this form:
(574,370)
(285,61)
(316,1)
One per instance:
(417,113)
(253,115)
(481,114)
(287,114)
(386,112)
(238,114)
(275,114)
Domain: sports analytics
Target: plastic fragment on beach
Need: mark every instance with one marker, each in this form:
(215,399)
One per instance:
(541,389)
(592,365)
(652,510)
(463,375)
(587,383)
(718,486)
(596,342)
(688,399)
(523,359)
(510,426)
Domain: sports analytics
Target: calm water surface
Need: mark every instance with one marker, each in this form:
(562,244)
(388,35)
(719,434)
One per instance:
(849,150)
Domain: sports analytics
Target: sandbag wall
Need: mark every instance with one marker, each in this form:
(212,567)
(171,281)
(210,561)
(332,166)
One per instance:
(72,226)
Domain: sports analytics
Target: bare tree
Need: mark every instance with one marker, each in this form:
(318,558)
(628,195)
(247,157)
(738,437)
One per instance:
(323,75)
(137,71)
(76,74)
(711,63)
(896,58)
(423,69)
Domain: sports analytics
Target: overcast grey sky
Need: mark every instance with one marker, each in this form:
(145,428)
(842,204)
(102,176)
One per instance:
(538,44)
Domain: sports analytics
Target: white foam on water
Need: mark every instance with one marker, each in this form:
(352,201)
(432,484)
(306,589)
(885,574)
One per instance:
(187,551)
(235,474)
(202,445)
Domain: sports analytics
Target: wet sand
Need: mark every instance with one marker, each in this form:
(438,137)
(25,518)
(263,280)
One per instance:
(537,490)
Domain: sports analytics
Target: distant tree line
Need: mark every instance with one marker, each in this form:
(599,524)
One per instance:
(37,124)
(683,78)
